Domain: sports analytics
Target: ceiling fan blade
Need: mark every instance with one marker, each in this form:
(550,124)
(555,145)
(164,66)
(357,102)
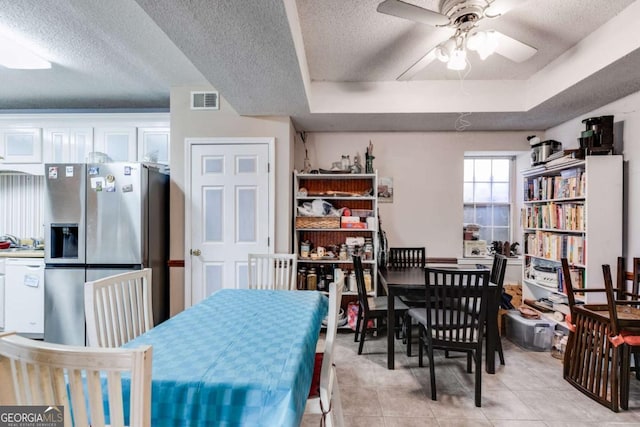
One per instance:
(513,49)
(500,7)
(412,12)
(418,66)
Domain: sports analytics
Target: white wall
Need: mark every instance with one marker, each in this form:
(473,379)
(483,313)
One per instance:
(187,123)
(626,112)
(426,168)
(427,172)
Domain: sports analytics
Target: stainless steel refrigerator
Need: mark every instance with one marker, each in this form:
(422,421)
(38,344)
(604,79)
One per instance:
(101,219)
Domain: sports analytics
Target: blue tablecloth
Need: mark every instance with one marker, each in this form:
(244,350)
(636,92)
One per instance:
(240,357)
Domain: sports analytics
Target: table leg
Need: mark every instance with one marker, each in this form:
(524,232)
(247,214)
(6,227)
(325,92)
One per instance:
(391,323)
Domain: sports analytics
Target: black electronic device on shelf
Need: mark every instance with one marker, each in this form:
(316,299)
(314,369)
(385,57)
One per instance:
(597,138)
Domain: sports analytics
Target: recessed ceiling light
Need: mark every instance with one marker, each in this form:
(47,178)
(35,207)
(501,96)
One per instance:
(16,55)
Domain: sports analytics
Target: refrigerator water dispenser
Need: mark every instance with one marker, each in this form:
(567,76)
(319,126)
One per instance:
(64,241)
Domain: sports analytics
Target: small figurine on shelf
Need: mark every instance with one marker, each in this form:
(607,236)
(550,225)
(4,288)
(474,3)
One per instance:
(356,167)
(369,159)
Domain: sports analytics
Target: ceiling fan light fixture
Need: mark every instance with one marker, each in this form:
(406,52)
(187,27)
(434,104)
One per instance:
(442,53)
(458,60)
(475,40)
(488,46)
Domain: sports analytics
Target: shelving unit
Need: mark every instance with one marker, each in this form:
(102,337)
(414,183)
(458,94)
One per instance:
(573,210)
(358,192)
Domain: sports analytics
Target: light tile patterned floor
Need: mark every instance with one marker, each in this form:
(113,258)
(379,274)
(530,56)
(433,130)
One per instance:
(528,391)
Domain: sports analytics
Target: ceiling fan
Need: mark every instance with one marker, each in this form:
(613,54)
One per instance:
(458,22)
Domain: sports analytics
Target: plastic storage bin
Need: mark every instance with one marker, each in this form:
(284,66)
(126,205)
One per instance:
(531,334)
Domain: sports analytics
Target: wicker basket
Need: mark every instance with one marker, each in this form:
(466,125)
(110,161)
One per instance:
(317,222)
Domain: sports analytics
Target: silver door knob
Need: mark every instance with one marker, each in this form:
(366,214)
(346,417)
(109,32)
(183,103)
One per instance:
(195,252)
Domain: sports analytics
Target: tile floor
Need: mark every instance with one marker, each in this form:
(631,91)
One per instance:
(528,391)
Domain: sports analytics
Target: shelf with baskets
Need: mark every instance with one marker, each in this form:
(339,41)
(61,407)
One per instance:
(325,243)
(571,211)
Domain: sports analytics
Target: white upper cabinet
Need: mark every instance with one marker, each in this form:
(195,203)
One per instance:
(67,145)
(29,140)
(117,143)
(153,144)
(21,145)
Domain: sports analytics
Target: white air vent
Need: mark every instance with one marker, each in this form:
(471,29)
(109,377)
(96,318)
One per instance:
(204,101)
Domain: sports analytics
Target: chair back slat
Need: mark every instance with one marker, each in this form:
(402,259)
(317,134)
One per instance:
(358,271)
(118,308)
(407,257)
(72,376)
(624,290)
(568,284)
(327,371)
(272,271)
(635,288)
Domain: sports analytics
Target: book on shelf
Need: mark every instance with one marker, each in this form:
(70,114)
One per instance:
(577,279)
(570,184)
(552,215)
(552,246)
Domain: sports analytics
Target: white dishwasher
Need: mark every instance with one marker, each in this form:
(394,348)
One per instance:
(24,296)
(1,293)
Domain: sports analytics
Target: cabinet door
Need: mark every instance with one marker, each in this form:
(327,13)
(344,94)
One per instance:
(153,145)
(118,143)
(68,145)
(24,296)
(2,293)
(21,145)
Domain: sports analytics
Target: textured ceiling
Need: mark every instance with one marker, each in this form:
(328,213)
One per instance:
(330,65)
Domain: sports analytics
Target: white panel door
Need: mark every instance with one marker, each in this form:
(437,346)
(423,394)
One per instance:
(229,214)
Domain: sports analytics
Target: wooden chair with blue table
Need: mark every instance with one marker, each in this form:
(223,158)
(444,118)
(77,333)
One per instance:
(47,374)
(324,397)
(272,271)
(118,308)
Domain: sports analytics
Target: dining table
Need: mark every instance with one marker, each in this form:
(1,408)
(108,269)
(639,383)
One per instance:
(239,357)
(411,281)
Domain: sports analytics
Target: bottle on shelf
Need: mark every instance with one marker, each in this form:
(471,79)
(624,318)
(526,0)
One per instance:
(302,279)
(367,280)
(312,279)
(322,277)
(343,256)
(305,249)
(368,249)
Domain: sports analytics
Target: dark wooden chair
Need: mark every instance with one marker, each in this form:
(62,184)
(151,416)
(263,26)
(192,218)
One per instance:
(370,307)
(624,292)
(498,270)
(624,330)
(592,361)
(454,319)
(621,280)
(408,257)
(571,293)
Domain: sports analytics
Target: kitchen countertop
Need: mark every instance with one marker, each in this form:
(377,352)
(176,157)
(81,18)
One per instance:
(22,253)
